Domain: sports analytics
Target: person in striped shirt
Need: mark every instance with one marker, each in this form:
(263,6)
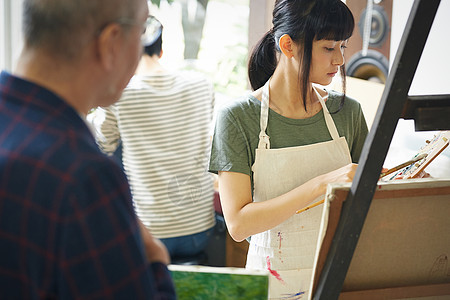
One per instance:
(163,121)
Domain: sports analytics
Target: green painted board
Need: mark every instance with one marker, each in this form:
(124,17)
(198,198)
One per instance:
(202,282)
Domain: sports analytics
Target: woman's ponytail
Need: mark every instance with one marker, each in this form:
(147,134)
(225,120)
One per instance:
(263,61)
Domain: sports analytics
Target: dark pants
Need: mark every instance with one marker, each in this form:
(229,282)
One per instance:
(188,245)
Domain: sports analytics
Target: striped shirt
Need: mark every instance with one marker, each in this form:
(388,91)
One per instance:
(164,124)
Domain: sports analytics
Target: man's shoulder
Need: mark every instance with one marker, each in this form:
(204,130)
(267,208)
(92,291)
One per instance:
(62,155)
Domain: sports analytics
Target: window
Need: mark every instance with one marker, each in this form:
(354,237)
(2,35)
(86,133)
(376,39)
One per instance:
(10,33)
(213,41)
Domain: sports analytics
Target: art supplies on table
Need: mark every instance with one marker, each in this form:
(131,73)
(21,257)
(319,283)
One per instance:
(414,167)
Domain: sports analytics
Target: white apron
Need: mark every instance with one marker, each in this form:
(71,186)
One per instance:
(287,251)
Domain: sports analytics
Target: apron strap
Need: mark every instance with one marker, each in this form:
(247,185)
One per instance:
(328,119)
(264,142)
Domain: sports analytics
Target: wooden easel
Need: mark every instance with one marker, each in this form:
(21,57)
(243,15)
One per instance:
(430,112)
(404,248)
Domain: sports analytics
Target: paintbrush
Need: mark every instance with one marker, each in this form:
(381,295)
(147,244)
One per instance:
(405,164)
(310,206)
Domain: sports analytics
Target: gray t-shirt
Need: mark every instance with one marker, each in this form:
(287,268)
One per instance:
(237,128)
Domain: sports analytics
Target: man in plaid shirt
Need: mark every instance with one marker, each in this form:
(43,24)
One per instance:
(67,225)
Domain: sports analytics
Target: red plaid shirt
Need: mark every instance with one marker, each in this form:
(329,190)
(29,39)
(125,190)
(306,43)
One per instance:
(67,224)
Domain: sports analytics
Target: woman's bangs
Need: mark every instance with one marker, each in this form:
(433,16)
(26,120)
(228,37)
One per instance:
(337,25)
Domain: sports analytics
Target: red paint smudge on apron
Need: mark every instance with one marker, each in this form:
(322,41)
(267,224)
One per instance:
(273,272)
(280,237)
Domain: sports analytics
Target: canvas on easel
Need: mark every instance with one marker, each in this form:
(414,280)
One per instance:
(403,250)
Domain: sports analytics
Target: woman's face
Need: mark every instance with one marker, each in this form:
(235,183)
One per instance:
(327,57)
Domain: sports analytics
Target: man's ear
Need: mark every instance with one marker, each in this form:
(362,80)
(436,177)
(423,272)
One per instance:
(108,44)
(286,45)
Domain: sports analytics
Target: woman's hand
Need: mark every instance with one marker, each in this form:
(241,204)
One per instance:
(343,174)
(422,174)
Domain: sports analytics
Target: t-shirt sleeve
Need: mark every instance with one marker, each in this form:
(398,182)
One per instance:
(107,130)
(360,134)
(230,150)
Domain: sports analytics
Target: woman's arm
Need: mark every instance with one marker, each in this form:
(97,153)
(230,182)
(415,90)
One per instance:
(245,217)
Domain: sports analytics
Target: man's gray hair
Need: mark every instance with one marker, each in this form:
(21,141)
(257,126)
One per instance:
(64,27)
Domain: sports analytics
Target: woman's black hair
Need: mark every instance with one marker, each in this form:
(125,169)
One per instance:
(304,21)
